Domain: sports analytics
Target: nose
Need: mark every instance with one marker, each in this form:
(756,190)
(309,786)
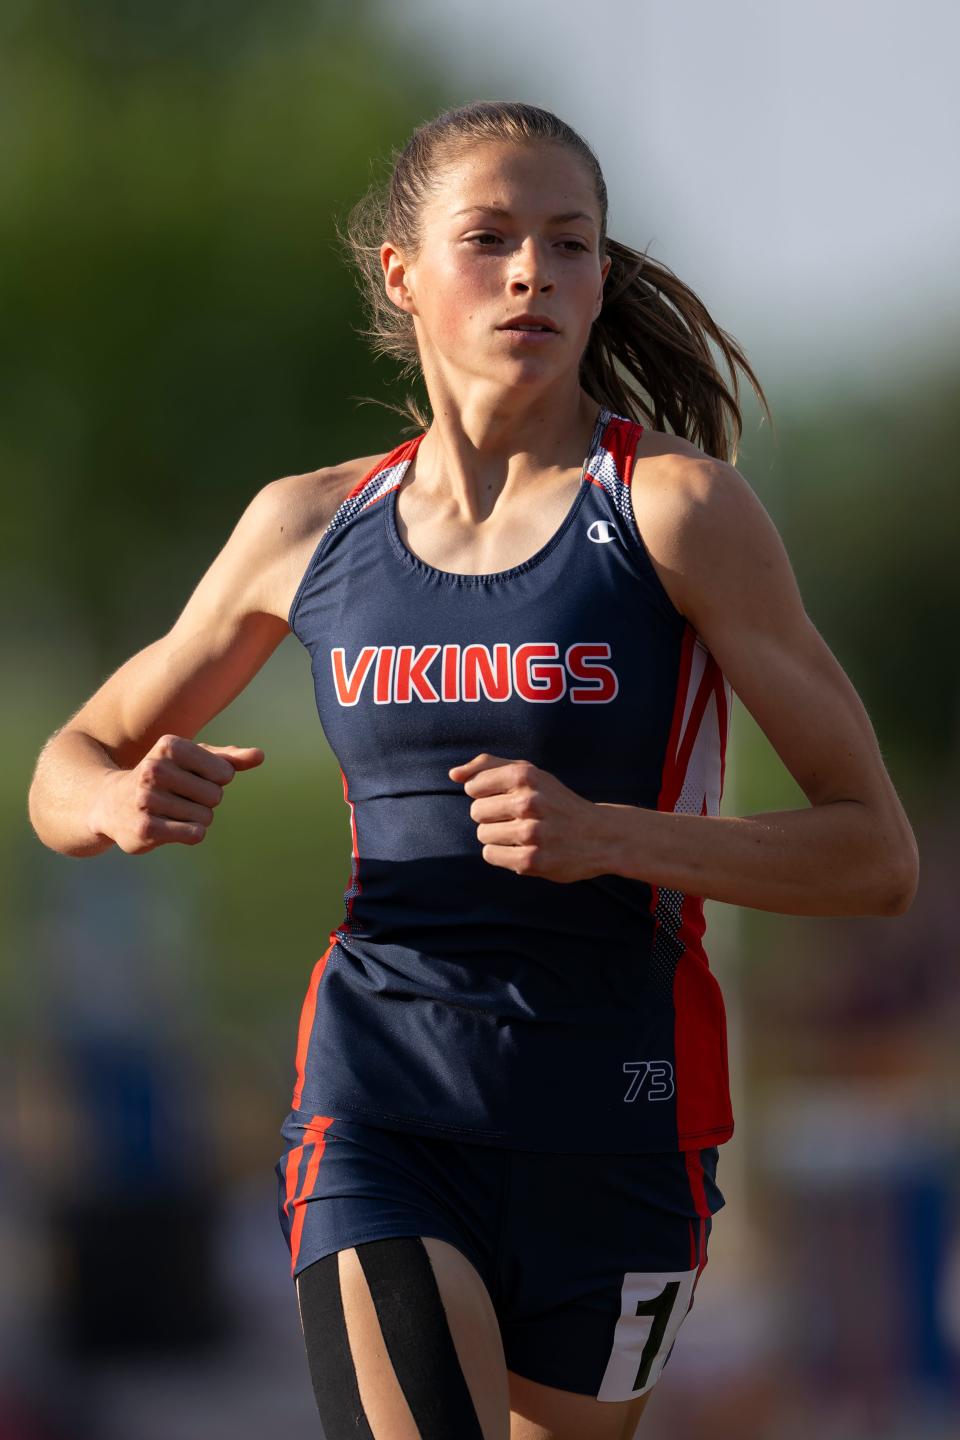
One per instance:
(531,269)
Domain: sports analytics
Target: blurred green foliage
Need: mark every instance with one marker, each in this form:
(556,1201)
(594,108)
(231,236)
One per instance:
(871,516)
(179,329)
(177,314)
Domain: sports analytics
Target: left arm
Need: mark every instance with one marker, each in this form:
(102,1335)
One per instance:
(852,852)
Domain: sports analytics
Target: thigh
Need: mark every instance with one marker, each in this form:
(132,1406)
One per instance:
(542,1412)
(403,1343)
(343,1182)
(600,1262)
(391,1239)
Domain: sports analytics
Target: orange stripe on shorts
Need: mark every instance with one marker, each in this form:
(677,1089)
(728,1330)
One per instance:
(316,1131)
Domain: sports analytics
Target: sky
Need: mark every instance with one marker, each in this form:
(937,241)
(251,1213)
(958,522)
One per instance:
(794,161)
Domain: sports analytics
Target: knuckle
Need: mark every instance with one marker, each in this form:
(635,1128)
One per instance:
(166,745)
(163,770)
(530,831)
(525,862)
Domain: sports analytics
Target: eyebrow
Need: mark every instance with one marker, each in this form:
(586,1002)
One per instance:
(505,214)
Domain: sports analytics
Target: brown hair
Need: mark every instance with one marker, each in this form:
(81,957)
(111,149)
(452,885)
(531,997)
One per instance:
(652,330)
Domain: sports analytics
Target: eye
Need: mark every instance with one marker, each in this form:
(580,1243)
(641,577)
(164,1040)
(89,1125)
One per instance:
(485,235)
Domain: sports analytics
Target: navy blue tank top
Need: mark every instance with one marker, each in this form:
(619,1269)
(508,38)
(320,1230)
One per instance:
(456,997)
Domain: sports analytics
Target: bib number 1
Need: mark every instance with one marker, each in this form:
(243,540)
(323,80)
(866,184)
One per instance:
(653,1306)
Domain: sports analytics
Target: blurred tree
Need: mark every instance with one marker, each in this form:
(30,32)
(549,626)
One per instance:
(177,313)
(863,489)
(872,518)
(178,329)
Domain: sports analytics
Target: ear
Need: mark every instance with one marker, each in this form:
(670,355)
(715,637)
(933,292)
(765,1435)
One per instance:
(396,277)
(604,272)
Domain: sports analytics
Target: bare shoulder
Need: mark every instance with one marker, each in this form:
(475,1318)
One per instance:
(687,506)
(284,522)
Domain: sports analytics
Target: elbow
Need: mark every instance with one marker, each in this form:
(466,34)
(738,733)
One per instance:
(901,890)
(34,815)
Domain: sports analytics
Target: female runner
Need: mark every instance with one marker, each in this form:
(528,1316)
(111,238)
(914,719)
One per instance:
(525,625)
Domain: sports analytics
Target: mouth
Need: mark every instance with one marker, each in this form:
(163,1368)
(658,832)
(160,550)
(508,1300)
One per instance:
(528,338)
(529,334)
(531,325)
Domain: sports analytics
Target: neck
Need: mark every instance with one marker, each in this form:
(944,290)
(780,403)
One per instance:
(475,453)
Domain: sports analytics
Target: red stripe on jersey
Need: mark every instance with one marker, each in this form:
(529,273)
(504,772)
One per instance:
(684,734)
(672,775)
(695,754)
(394,457)
(702,1079)
(621,438)
(308,1011)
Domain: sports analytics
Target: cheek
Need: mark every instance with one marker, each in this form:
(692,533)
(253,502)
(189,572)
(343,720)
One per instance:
(588,291)
(461,301)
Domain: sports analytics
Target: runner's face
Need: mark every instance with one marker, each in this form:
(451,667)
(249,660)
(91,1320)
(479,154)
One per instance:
(509,229)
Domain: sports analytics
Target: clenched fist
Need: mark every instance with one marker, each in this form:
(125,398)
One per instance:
(170,796)
(531,823)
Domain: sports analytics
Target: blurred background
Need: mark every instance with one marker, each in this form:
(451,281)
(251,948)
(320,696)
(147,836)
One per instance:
(180,328)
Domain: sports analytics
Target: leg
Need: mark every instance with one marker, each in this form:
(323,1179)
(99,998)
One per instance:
(612,1250)
(403,1343)
(541,1412)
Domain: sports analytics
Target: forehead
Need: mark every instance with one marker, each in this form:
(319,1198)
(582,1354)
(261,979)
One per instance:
(495,175)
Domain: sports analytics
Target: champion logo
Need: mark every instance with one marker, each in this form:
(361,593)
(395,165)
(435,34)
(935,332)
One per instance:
(602,531)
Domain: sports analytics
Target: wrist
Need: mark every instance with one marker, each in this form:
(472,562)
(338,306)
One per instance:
(97,818)
(616,835)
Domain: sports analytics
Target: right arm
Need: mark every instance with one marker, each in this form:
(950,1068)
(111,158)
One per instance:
(124,769)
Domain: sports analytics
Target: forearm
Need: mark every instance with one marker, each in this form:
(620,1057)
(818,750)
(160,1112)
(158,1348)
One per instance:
(830,859)
(70,775)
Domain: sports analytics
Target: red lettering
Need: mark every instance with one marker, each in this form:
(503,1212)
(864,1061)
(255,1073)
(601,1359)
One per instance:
(348,688)
(604,684)
(478,671)
(536,673)
(384,675)
(450,687)
(410,673)
(534,678)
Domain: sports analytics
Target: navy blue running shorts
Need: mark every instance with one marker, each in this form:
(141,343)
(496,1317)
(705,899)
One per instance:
(591,1261)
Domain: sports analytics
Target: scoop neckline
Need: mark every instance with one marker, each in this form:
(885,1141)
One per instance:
(457,577)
